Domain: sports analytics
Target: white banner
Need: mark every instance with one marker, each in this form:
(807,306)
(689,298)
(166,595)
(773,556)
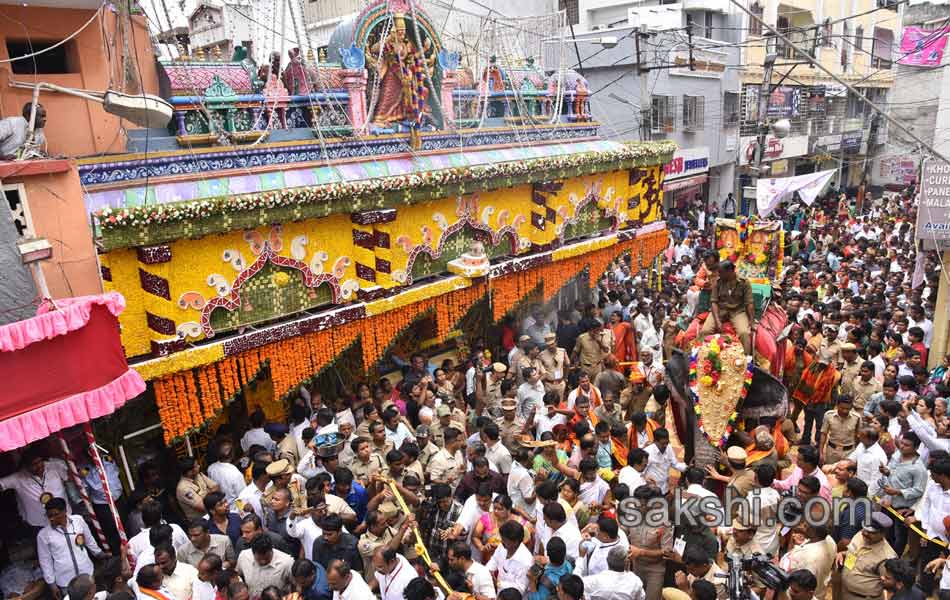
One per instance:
(770,191)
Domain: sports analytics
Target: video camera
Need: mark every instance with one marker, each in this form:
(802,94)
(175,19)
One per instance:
(759,565)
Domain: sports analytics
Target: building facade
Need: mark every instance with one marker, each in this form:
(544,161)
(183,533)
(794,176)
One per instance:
(696,108)
(832,128)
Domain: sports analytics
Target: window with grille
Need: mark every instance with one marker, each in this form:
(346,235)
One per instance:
(730,108)
(859,38)
(693,108)
(662,117)
(16,199)
(570,7)
(755,25)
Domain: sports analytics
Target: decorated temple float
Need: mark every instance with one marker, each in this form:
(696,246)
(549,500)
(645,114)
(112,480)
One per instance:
(717,388)
(310,215)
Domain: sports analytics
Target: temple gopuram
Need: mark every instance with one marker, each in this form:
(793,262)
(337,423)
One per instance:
(301,221)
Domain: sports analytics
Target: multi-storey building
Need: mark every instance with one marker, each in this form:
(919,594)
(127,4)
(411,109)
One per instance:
(644,86)
(831,127)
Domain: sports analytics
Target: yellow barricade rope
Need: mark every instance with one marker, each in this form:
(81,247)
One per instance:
(911,526)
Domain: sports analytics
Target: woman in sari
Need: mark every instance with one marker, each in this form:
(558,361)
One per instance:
(486,537)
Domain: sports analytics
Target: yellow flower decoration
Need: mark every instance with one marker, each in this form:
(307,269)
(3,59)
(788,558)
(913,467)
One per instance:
(706,380)
(280,279)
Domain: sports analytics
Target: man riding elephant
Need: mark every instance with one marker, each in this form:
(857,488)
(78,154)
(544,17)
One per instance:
(731,301)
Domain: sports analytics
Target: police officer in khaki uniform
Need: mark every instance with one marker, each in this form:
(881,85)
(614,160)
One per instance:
(379,534)
(650,546)
(367,463)
(448,465)
(427,449)
(192,488)
(592,346)
(443,415)
(862,564)
(493,394)
(731,301)
(556,365)
(510,425)
(864,386)
(286,443)
(531,359)
(839,431)
(850,367)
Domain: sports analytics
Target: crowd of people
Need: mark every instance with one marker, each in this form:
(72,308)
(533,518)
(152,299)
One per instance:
(533,474)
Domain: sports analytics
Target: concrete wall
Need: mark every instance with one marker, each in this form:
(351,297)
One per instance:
(17,291)
(75,127)
(58,214)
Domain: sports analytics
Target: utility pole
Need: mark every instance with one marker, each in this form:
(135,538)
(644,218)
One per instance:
(762,120)
(646,103)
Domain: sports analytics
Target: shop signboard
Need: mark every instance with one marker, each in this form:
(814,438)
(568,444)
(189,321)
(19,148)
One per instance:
(828,143)
(933,214)
(851,141)
(894,171)
(775,148)
(785,102)
(687,162)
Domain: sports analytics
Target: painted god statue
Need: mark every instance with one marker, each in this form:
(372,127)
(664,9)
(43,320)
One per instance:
(402,71)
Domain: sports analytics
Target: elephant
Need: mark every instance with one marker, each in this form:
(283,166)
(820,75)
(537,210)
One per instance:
(767,397)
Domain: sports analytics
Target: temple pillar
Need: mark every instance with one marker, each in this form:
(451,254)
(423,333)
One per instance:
(354,81)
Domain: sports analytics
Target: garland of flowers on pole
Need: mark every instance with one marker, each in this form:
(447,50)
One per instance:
(711,379)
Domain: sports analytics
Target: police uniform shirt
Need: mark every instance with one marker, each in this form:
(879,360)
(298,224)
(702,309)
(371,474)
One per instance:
(446,467)
(364,471)
(842,432)
(863,566)
(190,491)
(732,296)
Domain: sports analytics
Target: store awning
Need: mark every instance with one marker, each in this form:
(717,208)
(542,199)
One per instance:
(63,367)
(685,182)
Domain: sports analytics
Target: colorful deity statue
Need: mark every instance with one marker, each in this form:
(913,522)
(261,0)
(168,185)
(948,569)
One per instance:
(403,71)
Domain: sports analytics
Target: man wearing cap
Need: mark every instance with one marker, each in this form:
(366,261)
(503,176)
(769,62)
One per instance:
(743,479)
(442,421)
(839,431)
(742,541)
(510,425)
(427,448)
(850,367)
(592,346)
(518,351)
(282,476)
(556,365)
(493,394)
(530,359)
(731,301)
(862,564)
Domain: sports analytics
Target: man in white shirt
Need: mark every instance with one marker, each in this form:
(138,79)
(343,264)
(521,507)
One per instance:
(178,576)
(305,527)
(495,451)
(530,393)
(346,583)
(63,547)
(660,459)
(632,474)
(391,574)
(229,478)
(593,488)
(34,483)
(262,565)
(615,583)
(594,550)
(396,430)
(558,526)
(152,517)
(249,500)
(256,436)
(869,456)
(931,515)
(511,559)
(459,557)
(521,481)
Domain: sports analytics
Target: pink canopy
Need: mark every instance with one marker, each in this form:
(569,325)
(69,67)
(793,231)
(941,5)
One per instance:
(63,367)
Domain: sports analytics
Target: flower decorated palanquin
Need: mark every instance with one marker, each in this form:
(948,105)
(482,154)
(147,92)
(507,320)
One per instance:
(282,255)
